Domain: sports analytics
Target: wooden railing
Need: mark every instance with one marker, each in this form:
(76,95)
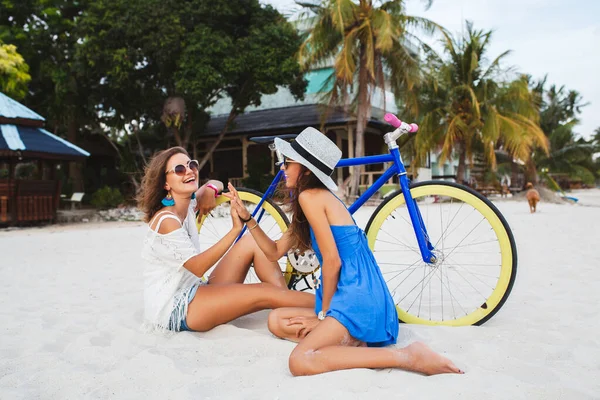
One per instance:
(35,208)
(28,201)
(236,182)
(3,208)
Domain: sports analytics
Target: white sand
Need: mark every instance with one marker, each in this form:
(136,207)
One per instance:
(70,312)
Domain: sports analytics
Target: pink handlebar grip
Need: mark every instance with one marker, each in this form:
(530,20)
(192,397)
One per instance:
(392,120)
(396,123)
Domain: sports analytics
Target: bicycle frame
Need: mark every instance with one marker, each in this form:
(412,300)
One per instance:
(397,168)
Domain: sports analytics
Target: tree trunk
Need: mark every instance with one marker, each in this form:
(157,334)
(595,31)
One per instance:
(363,115)
(460,172)
(188,129)
(212,148)
(531,172)
(75,168)
(175,132)
(514,173)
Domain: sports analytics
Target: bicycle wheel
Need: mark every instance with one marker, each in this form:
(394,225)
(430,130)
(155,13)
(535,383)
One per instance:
(274,222)
(475,248)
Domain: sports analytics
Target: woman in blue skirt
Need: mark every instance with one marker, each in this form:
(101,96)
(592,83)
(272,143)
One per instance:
(355,315)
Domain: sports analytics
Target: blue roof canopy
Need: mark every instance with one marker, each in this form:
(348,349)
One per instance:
(28,139)
(10,108)
(22,134)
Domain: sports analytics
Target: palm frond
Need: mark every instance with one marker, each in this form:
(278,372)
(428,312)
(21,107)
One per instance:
(342,14)
(345,62)
(495,65)
(384,29)
(455,132)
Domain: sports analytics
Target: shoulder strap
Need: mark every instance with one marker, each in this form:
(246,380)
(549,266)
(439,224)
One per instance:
(167,214)
(156,215)
(344,204)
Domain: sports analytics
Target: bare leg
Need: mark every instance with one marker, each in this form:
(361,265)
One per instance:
(234,266)
(218,304)
(324,350)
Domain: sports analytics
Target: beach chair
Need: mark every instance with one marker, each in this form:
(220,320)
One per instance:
(75,199)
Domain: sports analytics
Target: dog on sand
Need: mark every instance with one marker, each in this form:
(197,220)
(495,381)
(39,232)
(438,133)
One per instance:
(533,197)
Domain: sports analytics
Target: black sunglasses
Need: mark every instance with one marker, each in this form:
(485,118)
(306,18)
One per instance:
(287,162)
(181,169)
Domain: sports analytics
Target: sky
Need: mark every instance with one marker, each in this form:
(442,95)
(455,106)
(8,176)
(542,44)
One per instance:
(557,38)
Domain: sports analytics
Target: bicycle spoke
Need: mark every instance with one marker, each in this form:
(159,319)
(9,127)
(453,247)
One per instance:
(390,263)
(429,275)
(468,234)
(466,270)
(420,300)
(453,298)
(214,228)
(402,217)
(415,250)
(474,273)
(484,297)
(446,233)
(404,278)
(477,243)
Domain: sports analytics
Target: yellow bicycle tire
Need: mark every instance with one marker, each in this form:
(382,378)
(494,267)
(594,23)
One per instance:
(508,266)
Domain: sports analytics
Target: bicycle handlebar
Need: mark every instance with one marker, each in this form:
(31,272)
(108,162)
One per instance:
(396,123)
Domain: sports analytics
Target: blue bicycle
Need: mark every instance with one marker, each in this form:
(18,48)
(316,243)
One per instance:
(445,251)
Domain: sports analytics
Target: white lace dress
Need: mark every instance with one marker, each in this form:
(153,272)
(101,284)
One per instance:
(167,283)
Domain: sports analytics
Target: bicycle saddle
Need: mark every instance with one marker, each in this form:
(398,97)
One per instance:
(271,139)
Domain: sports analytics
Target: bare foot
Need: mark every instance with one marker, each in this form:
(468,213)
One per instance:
(426,361)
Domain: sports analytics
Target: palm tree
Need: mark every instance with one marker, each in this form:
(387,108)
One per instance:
(568,154)
(367,41)
(467,110)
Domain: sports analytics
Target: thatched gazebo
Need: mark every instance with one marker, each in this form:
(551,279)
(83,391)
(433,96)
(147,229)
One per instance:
(23,139)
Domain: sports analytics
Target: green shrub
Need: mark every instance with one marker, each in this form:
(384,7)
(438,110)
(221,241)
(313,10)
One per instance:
(107,197)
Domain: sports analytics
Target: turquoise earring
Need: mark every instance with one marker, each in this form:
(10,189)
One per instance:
(168,200)
(193,195)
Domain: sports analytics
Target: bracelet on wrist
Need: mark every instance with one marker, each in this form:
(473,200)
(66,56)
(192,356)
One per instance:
(245,220)
(213,187)
(255,225)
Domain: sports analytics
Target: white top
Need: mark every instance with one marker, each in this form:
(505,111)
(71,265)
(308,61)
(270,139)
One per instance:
(167,283)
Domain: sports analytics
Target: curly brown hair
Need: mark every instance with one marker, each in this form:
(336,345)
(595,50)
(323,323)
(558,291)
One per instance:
(152,190)
(300,228)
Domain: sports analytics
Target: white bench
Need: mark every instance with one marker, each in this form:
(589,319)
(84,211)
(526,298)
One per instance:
(75,199)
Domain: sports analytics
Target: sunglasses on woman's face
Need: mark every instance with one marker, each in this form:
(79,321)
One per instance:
(181,169)
(287,162)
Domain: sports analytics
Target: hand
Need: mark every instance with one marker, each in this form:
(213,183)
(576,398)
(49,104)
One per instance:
(238,225)
(305,325)
(236,202)
(205,201)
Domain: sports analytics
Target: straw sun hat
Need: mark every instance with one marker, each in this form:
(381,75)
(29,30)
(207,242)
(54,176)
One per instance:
(315,151)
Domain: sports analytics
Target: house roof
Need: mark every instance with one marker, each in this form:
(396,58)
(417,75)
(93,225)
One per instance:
(282,119)
(22,134)
(36,142)
(12,111)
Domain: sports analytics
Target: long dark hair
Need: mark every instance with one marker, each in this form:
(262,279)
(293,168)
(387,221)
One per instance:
(152,190)
(299,227)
